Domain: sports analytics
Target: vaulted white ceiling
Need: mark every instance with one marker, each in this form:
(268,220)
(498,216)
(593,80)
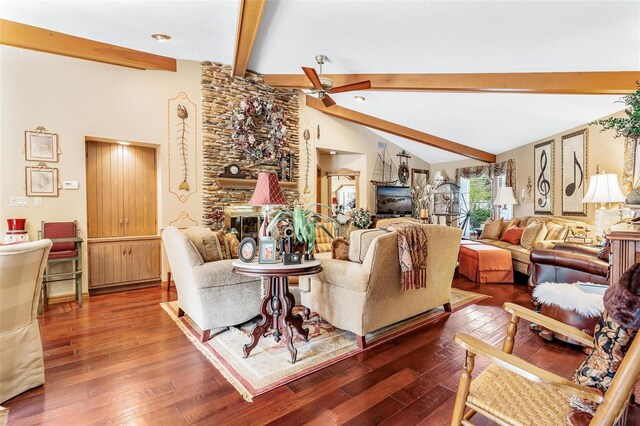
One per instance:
(391,36)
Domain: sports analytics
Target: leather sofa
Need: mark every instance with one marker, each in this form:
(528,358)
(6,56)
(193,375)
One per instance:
(521,255)
(568,263)
(364,293)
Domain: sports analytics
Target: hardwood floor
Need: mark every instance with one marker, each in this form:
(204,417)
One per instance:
(121,359)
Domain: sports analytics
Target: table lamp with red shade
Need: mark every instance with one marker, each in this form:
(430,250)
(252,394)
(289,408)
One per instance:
(267,193)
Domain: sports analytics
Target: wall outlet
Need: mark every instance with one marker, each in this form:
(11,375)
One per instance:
(37,201)
(18,201)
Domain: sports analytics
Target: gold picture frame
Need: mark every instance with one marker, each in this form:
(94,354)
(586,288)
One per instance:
(544,177)
(40,146)
(41,181)
(574,163)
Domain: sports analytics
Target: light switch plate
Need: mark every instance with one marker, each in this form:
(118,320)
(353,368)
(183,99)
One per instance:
(37,201)
(70,184)
(18,201)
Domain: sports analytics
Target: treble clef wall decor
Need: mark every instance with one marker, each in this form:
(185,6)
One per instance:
(543,183)
(543,168)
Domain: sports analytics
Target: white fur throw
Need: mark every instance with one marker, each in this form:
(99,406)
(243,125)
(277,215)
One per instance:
(570,297)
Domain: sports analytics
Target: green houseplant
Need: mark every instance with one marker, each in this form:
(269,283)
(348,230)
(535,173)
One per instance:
(628,126)
(304,222)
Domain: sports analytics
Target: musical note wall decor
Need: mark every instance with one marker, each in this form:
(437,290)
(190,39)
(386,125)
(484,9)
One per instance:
(543,167)
(574,172)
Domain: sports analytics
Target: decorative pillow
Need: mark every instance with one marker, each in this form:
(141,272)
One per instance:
(605,251)
(492,230)
(611,342)
(233,242)
(507,225)
(206,242)
(340,249)
(555,231)
(224,244)
(359,242)
(513,235)
(532,234)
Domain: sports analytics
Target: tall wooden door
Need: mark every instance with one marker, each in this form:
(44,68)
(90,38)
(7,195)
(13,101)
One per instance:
(121,190)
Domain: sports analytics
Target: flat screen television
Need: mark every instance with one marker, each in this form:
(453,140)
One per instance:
(393,200)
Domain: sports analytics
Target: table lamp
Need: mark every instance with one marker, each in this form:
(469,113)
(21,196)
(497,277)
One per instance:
(267,193)
(603,189)
(505,197)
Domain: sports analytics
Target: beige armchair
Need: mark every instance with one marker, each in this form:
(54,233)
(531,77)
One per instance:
(209,292)
(21,356)
(364,294)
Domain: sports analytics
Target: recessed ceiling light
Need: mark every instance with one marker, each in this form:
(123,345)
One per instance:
(359,98)
(160,37)
(332,152)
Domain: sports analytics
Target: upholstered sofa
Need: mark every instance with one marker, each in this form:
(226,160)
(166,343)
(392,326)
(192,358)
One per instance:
(363,294)
(209,292)
(521,255)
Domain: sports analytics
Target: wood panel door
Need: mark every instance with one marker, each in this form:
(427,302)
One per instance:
(121,190)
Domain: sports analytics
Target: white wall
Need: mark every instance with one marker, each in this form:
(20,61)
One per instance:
(76,98)
(604,151)
(340,135)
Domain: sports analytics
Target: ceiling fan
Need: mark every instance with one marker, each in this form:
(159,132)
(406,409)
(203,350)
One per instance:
(323,86)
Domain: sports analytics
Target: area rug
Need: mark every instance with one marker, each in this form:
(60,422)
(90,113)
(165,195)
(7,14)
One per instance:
(269,364)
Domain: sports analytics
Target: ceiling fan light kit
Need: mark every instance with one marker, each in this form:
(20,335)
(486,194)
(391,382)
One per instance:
(323,86)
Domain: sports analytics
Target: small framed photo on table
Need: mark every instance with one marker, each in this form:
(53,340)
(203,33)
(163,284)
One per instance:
(41,182)
(41,146)
(247,250)
(267,251)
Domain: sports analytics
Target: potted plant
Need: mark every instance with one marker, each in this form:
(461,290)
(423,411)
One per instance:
(629,126)
(304,222)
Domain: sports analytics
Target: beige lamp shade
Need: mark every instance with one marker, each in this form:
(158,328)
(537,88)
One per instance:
(505,197)
(604,188)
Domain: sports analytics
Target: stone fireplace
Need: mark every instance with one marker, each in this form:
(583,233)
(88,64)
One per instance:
(220,95)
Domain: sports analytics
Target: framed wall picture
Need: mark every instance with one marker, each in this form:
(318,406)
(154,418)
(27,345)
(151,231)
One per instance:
(419,177)
(40,146)
(543,171)
(574,172)
(41,182)
(247,250)
(267,251)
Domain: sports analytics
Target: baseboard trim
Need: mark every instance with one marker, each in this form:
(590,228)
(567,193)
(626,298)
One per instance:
(65,298)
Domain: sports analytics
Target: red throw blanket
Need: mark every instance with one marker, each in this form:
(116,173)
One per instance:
(412,253)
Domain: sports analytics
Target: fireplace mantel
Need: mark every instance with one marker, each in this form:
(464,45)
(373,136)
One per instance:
(234,183)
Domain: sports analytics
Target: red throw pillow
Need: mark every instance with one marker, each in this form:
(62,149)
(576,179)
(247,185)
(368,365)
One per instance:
(513,235)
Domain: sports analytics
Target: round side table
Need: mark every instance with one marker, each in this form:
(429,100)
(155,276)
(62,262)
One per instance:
(277,304)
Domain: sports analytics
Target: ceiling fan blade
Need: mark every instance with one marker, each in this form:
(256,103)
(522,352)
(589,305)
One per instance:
(361,85)
(327,101)
(312,75)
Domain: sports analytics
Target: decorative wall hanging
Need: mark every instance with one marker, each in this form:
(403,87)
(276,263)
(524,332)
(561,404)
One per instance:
(244,116)
(307,135)
(182,147)
(40,145)
(183,221)
(41,181)
(574,172)
(543,174)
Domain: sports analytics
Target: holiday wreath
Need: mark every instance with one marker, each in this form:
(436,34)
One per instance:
(243,127)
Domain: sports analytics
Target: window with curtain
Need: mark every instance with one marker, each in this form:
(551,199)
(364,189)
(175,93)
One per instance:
(477,191)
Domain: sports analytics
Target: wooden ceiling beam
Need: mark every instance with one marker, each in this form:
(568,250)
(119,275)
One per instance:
(399,130)
(34,38)
(249,19)
(570,83)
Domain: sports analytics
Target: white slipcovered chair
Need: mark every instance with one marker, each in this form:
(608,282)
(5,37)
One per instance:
(21,356)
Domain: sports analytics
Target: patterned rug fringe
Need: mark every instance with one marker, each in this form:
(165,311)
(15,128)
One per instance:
(221,368)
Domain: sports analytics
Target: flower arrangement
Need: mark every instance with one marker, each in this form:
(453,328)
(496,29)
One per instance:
(629,126)
(217,216)
(243,128)
(422,197)
(361,218)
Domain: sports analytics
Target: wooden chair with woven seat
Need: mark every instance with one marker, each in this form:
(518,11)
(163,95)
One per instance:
(512,391)
(67,247)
